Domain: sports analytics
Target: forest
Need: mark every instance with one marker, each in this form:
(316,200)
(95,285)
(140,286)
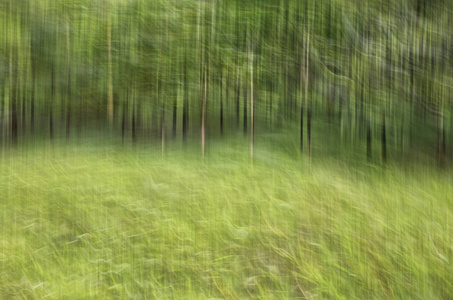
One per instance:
(226,149)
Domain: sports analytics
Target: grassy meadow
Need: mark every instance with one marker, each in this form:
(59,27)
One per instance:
(96,221)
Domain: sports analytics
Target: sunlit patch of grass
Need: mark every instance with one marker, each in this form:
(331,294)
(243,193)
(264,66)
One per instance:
(95,222)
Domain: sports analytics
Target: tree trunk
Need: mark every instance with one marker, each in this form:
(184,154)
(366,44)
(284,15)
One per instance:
(174,116)
(109,64)
(162,127)
(14,125)
(32,107)
(203,113)
(23,120)
(68,119)
(123,122)
(53,101)
(270,107)
(368,142)
(50,124)
(440,134)
(301,127)
(2,111)
(134,125)
(221,103)
(185,108)
(384,140)
(252,117)
(237,97)
(308,103)
(245,112)
(309,131)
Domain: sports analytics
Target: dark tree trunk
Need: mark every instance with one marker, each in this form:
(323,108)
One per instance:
(14,125)
(368,142)
(245,112)
(440,133)
(174,117)
(309,131)
(53,100)
(270,104)
(33,91)
(68,107)
(444,146)
(330,104)
(162,127)
(384,140)
(221,104)
(23,120)
(301,127)
(13,107)
(237,102)
(68,119)
(134,126)
(185,107)
(80,119)
(50,124)
(412,70)
(203,114)
(123,122)
(32,108)
(2,113)
(155,122)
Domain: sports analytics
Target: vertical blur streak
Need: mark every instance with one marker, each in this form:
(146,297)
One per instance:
(354,78)
(109,62)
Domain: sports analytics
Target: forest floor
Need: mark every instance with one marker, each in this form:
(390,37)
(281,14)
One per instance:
(110,222)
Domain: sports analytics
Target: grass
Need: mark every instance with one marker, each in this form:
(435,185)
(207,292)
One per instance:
(106,222)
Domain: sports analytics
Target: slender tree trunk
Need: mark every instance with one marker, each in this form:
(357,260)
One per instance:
(444,146)
(368,142)
(162,127)
(23,114)
(438,140)
(227,86)
(68,104)
(330,103)
(53,101)
(14,125)
(271,96)
(80,118)
(68,97)
(134,123)
(68,119)
(2,111)
(384,140)
(252,116)
(245,112)
(237,96)
(32,104)
(440,134)
(203,113)
(308,101)
(51,124)
(109,64)
(11,82)
(340,105)
(185,108)
(221,103)
(174,116)
(309,130)
(123,121)
(301,127)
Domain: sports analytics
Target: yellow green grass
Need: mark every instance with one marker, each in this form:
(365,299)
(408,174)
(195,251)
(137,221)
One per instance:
(93,222)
